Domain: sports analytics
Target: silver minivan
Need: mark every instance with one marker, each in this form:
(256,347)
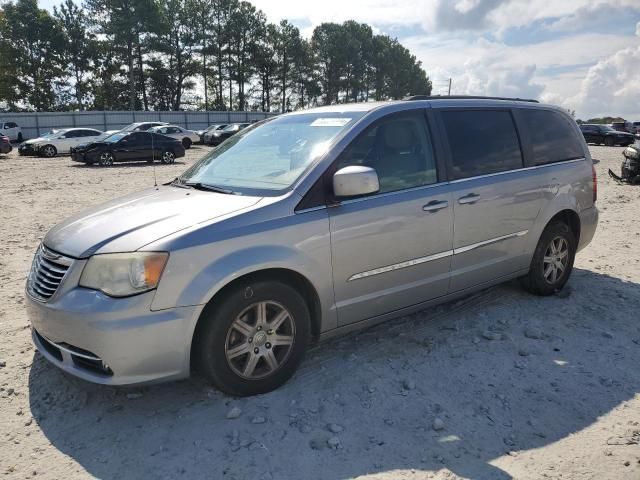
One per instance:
(308,225)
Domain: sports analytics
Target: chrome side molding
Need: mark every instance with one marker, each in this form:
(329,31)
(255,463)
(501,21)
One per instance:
(435,256)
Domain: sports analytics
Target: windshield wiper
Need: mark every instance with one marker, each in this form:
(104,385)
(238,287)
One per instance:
(209,188)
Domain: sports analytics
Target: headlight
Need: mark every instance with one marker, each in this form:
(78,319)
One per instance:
(124,274)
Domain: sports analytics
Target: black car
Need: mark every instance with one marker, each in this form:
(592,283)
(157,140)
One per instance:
(600,134)
(219,136)
(5,144)
(206,135)
(129,147)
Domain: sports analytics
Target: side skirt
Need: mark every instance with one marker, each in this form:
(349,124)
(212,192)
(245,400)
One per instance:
(369,322)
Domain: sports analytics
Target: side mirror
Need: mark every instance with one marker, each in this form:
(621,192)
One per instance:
(355,180)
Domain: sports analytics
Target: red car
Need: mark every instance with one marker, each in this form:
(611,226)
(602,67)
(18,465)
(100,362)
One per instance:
(5,144)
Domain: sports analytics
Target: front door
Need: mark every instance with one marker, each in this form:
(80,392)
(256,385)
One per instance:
(392,249)
(495,201)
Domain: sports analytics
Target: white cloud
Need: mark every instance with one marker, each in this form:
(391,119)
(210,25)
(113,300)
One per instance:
(438,15)
(611,86)
(553,70)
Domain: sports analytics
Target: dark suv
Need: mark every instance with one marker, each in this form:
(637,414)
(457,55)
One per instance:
(600,134)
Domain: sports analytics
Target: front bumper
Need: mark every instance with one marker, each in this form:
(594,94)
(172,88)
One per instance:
(112,341)
(26,149)
(82,157)
(588,224)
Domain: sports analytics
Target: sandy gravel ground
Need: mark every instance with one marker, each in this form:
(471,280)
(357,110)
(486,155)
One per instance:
(500,385)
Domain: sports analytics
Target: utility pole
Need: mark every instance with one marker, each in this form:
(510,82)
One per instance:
(449,87)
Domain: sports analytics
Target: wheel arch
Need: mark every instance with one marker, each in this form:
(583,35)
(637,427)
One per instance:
(285,275)
(570,218)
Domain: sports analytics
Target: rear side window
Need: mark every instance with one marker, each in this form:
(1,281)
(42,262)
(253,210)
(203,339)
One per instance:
(481,142)
(553,137)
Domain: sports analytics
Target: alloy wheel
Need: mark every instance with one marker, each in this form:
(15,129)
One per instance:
(260,340)
(106,159)
(168,157)
(556,258)
(49,151)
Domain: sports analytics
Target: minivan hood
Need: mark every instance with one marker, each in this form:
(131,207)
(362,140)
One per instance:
(133,221)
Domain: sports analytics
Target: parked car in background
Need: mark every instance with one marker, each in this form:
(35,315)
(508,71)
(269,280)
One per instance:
(129,147)
(209,129)
(5,144)
(27,147)
(187,137)
(605,134)
(206,137)
(64,139)
(138,127)
(11,130)
(619,126)
(634,128)
(219,136)
(308,225)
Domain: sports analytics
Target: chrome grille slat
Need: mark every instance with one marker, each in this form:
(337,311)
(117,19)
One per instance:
(46,281)
(47,272)
(51,266)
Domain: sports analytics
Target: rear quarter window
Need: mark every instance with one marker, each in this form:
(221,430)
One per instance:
(481,142)
(553,137)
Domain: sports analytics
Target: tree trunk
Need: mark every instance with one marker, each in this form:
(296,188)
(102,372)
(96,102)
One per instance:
(78,88)
(132,85)
(143,85)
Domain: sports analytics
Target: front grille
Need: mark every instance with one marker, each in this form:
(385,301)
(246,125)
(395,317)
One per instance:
(47,271)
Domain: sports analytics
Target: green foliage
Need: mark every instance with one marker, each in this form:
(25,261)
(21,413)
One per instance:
(32,45)
(603,120)
(190,54)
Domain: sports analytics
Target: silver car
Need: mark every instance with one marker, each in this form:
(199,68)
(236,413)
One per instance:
(308,225)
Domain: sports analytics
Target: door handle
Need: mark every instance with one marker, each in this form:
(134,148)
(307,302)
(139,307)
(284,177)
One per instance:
(435,205)
(470,199)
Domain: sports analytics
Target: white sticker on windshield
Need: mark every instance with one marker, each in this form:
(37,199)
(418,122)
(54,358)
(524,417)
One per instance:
(330,122)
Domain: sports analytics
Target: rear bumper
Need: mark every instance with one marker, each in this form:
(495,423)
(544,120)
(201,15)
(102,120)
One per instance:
(588,225)
(113,341)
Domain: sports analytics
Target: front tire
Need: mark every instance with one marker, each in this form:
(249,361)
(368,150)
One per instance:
(49,151)
(106,159)
(552,261)
(253,340)
(20,137)
(186,143)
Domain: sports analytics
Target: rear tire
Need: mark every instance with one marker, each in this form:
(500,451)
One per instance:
(240,346)
(609,142)
(552,260)
(186,143)
(20,137)
(168,157)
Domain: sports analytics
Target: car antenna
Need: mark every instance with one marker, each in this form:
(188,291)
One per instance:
(153,161)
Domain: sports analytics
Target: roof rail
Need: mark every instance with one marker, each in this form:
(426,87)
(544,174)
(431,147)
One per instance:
(465,97)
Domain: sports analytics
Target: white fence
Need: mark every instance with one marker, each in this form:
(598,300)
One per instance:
(35,123)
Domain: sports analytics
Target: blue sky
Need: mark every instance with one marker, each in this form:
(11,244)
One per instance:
(581,54)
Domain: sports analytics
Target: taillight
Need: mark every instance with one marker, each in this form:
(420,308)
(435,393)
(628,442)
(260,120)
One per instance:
(4,139)
(594,179)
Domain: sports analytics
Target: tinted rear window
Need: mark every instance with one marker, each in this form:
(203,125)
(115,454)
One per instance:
(481,142)
(553,137)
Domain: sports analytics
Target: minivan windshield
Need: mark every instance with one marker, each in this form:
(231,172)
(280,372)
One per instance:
(266,159)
